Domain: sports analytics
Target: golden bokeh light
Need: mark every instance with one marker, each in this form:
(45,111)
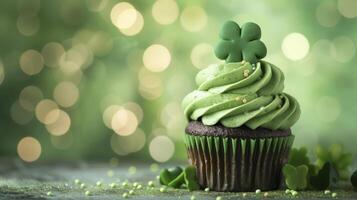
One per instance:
(295,46)
(136,109)
(172,118)
(123,15)
(347,8)
(28,24)
(2,73)
(161,148)
(136,27)
(109,113)
(193,18)
(343,49)
(202,55)
(124,145)
(327,14)
(60,125)
(124,122)
(31,62)
(29,149)
(156,58)
(52,53)
(19,114)
(44,112)
(165,11)
(29,97)
(66,94)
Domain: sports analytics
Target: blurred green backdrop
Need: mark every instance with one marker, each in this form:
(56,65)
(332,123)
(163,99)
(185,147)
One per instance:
(96,79)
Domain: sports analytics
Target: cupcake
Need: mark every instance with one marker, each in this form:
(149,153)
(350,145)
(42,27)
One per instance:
(238,136)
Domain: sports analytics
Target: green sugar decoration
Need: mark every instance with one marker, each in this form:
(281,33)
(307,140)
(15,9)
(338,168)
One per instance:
(240,43)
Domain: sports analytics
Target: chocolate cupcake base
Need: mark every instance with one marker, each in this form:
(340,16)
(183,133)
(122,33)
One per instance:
(237,159)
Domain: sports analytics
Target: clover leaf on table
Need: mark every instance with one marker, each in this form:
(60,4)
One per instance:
(176,177)
(296,177)
(335,154)
(326,177)
(240,43)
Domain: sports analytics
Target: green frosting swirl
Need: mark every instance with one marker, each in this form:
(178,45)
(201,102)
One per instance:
(236,94)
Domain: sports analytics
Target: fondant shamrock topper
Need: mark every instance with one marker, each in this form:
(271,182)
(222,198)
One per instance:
(239,44)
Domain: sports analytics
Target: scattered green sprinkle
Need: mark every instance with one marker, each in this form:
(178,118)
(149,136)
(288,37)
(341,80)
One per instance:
(139,187)
(124,184)
(334,194)
(76,181)
(157,177)
(151,184)
(218,198)
(266,194)
(125,195)
(193,197)
(327,192)
(131,192)
(87,193)
(163,189)
(287,191)
(110,173)
(112,185)
(244,194)
(98,183)
(294,193)
(135,184)
(258,191)
(83,186)
(49,193)
(206,189)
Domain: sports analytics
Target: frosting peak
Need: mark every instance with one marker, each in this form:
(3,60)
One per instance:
(240,93)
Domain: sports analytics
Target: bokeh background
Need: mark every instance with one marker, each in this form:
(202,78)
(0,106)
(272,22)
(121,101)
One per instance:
(101,79)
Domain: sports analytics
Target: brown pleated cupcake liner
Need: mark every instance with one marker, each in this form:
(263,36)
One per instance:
(238,164)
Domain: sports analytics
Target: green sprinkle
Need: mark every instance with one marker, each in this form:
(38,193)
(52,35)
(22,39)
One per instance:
(83,186)
(193,197)
(157,177)
(112,185)
(151,184)
(334,194)
(49,193)
(287,191)
(87,193)
(244,194)
(139,187)
(135,184)
(98,183)
(294,193)
(154,167)
(258,191)
(124,184)
(76,181)
(206,189)
(110,173)
(131,192)
(218,198)
(266,194)
(163,189)
(125,195)
(327,192)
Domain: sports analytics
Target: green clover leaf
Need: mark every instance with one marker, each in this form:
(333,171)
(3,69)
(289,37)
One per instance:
(298,157)
(191,178)
(335,154)
(295,177)
(354,179)
(175,177)
(168,175)
(239,44)
(326,177)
